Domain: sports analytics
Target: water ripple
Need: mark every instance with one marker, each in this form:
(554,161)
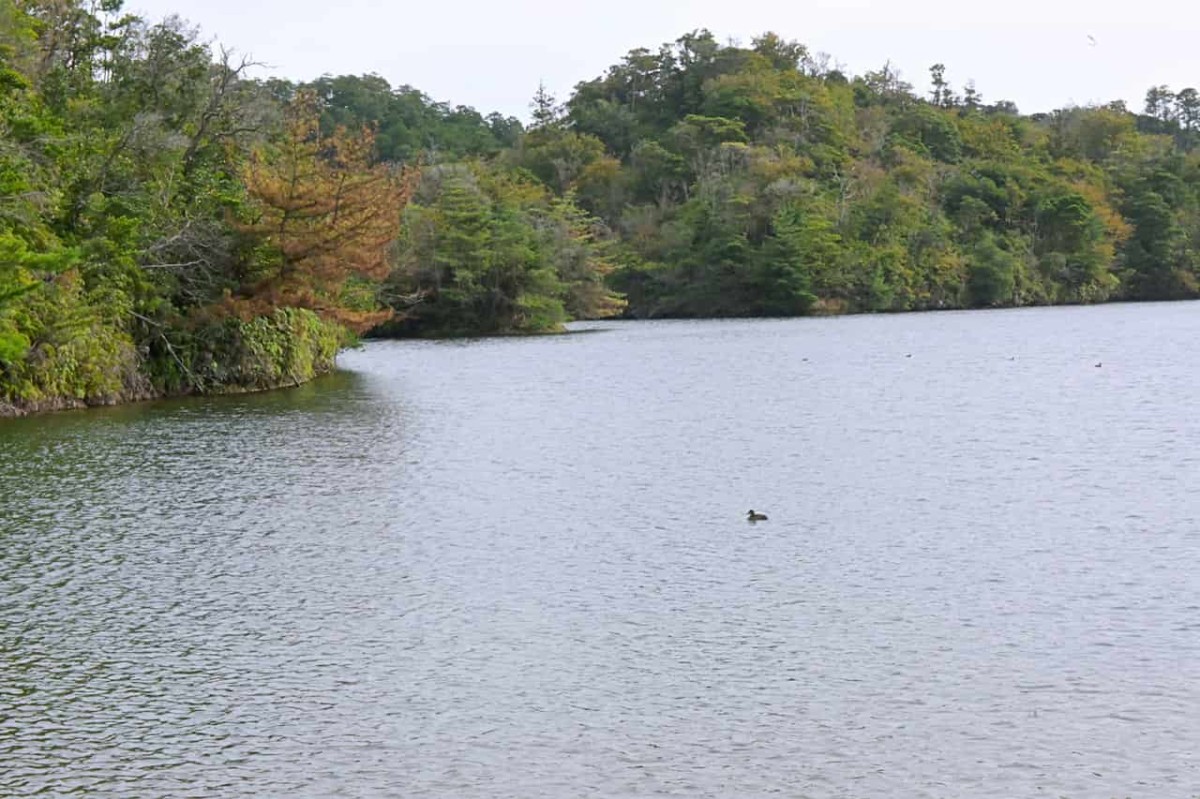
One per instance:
(520,568)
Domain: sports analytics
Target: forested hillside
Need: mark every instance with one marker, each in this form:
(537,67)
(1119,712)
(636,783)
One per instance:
(760,181)
(733,181)
(169,222)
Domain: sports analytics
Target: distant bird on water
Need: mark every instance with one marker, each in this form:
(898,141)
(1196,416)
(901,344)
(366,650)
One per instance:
(756,517)
(1098,365)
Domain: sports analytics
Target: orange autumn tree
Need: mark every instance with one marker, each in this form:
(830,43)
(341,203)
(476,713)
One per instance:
(325,219)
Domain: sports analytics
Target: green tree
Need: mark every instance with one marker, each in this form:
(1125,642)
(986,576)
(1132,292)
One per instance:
(991,273)
(801,256)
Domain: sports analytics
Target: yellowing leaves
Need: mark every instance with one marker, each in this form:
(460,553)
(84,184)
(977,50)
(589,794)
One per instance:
(325,214)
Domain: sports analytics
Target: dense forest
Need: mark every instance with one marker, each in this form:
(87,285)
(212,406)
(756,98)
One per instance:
(759,181)
(170,222)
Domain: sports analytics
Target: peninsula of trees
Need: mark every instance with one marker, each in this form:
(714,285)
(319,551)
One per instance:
(171,223)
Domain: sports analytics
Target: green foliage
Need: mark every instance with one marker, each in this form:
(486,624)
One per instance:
(124,216)
(489,251)
(929,132)
(408,124)
(802,253)
(991,274)
(557,157)
(146,184)
(68,346)
(287,347)
(757,181)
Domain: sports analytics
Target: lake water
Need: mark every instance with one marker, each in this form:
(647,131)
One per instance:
(521,568)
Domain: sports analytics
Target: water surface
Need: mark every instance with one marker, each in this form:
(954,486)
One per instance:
(519,568)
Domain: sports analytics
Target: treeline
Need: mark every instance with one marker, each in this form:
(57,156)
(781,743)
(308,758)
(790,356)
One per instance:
(722,180)
(758,180)
(165,224)
(486,246)
(170,224)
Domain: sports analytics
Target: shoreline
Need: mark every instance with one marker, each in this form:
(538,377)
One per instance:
(15,410)
(746,318)
(50,405)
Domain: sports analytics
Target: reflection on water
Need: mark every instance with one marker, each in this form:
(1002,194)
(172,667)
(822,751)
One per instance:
(520,568)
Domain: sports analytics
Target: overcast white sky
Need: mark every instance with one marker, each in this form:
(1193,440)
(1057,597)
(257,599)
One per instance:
(492,54)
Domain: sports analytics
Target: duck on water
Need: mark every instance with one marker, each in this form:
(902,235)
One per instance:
(751,516)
